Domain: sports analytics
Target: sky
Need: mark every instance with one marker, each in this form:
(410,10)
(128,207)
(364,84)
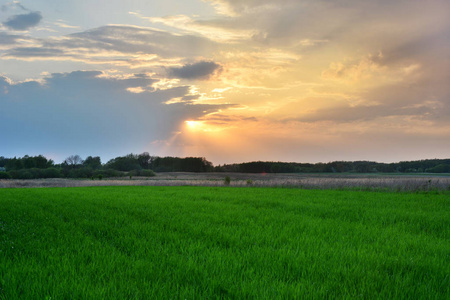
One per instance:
(229,80)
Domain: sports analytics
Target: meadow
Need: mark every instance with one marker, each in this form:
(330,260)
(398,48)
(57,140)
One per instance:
(341,181)
(186,242)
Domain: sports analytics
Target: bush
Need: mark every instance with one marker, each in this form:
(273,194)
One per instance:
(80,173)
(442,168)
(14,174)
(133,173)
(24,174)
(52,173)
(227,180)
(4,175)
(107,173)
(21,174)
(249,182)
(34,173)
(147,173)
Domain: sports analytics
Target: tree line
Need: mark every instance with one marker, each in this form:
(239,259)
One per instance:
(29,167)
(419,166)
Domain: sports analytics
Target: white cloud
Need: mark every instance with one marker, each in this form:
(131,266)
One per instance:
(216,32)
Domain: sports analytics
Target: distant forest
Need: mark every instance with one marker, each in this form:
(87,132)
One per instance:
(29,167)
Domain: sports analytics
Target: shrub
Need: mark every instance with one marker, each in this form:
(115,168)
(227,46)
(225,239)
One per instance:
(441,168)
(36,173)
(147,173)
(80,173)
(23,174)
(4,175)
(133,173)
(52,173)
(107,173)
(227,180)
(13,174)
(249,182)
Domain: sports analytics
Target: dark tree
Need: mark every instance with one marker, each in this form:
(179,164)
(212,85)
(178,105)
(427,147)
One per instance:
(3,161)
(93,162)
(124,163)
(73,161)
(144,160)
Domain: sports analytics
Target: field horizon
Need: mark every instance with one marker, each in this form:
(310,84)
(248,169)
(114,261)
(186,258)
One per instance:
(369,181)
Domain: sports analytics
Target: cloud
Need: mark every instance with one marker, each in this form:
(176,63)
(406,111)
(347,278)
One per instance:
(119,45)
(425,100)
(132,39)
(363,69)
(33,52)
(23,22)
(9,39)
(13,4)
(88,113)
(63,24)
(236,7)
(351,23)
(340,69)
(217,30)
(362,113)
(200,70)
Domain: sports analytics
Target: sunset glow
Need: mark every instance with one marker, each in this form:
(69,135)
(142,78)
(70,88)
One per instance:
(194,125)
(231,81)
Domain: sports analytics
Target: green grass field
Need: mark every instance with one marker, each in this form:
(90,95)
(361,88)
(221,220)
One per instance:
(222,243)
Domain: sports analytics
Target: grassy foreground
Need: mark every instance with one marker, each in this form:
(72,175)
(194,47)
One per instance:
(212,242)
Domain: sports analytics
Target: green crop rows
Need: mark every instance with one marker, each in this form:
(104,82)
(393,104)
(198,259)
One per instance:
(221,243)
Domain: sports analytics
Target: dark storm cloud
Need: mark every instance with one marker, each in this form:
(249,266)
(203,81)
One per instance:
(23,22)
(199,70)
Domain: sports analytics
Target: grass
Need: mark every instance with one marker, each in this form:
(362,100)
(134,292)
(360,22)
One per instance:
(222,243)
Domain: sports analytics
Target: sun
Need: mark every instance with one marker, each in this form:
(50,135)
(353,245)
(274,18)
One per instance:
(204,126)
(193,124)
